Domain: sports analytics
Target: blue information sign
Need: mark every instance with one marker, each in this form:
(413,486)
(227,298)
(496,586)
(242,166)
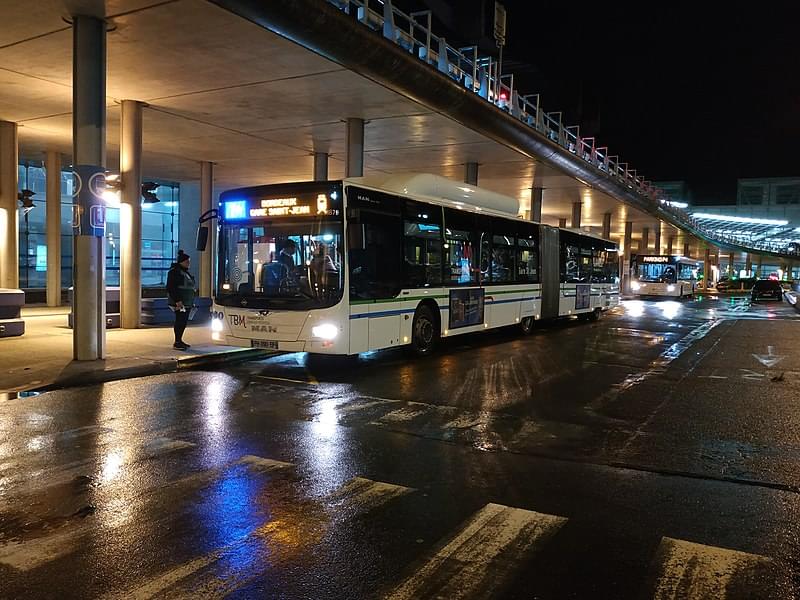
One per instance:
(89,208)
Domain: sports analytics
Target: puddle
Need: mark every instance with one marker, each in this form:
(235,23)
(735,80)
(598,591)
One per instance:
(17,395)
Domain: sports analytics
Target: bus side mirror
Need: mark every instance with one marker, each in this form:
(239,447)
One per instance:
(202,238)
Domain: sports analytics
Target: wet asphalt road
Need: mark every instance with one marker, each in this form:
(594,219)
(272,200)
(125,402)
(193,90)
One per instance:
(653,454)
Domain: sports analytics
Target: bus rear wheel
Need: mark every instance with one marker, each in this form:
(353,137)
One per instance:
(526,325)
(424,332)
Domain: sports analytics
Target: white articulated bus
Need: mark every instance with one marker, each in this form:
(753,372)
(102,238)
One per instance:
(664,275)
(344,267)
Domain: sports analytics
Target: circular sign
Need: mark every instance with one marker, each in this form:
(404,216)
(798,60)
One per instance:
(237,275)
(97,184)
(77,184)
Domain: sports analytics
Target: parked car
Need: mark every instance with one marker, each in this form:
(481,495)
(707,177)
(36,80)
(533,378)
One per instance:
(726,284)
(766,289)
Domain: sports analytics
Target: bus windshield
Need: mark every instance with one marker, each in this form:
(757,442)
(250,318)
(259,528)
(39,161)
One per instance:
(657,273)
(288,265)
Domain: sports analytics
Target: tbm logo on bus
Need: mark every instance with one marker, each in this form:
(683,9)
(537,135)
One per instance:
(239,321)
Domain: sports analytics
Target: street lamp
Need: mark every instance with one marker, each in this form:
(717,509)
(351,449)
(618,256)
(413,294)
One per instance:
(26,199)
(148,192)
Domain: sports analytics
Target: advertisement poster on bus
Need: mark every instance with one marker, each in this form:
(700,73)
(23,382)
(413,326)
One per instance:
(466,307)
(583,295)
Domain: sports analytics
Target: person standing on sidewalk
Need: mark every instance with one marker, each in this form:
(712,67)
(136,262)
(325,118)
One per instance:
(180,292)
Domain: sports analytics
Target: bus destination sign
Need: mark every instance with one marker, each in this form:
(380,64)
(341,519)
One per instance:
(293,207)
(655,259)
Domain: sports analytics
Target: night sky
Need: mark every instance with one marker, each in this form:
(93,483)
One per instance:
(678,90)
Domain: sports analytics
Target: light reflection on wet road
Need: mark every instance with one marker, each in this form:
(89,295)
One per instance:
(590,460)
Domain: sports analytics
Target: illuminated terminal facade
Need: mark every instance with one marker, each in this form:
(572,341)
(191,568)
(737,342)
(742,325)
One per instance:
(765,209)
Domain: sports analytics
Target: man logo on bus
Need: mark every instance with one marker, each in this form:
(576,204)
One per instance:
(239,321)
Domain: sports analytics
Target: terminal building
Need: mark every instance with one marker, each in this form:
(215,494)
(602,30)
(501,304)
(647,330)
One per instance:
(178,101)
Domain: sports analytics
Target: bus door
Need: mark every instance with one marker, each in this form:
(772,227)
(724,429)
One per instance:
(549,271)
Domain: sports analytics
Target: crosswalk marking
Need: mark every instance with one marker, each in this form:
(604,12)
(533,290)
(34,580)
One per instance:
(366,494)
(266,465)
(212,576)
(31,553)
(692,571)
(477,560)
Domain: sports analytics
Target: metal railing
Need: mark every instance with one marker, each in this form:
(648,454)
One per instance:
(480,74)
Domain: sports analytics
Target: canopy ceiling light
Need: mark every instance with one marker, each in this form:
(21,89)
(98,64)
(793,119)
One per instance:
(733,219)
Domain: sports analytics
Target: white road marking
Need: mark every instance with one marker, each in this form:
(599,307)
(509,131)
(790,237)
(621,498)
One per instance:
(266,465)
(407,413)
(478,559)
(692,571)
(770,359)
(365,494)
(29,554)
(163,445)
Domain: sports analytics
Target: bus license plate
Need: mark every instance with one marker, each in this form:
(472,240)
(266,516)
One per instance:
(266,344)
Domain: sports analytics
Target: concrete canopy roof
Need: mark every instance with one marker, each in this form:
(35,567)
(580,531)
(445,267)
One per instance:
(221,89)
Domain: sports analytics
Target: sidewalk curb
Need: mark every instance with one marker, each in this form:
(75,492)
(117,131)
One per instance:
(157,368)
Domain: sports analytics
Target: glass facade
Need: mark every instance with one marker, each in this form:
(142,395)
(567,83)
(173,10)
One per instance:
(160,227)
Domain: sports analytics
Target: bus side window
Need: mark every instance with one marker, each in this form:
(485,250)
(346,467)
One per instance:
(527,254)
(374,256)
(503,255)
(422,245)
(570,263)
(462,243)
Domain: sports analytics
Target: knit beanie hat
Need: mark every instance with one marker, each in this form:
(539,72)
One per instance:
(182,256)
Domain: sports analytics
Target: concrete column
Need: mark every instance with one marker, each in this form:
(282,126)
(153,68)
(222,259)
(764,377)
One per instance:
(206,275)
(88,148)
(657,240)
(748,265)
(354,149)
(320,166)
(707,268)
(562,222)
(731,258)
(471,173)
(53,227)
(607,226)
(671,245)
(130,214)
(536,204)
(645,242)
(625,263)
(576,215)
(760,272)
(9,217)
(686,249)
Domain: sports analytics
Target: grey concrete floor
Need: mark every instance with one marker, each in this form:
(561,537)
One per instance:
(653,454)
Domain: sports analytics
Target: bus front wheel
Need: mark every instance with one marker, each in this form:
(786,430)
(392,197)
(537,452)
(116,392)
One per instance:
(424,332)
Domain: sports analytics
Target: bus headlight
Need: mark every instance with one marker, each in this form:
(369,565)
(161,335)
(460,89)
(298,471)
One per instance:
(670,288)
(635,286)
(326,331)
(216,325)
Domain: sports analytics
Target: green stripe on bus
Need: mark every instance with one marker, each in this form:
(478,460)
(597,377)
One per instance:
(489,291)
